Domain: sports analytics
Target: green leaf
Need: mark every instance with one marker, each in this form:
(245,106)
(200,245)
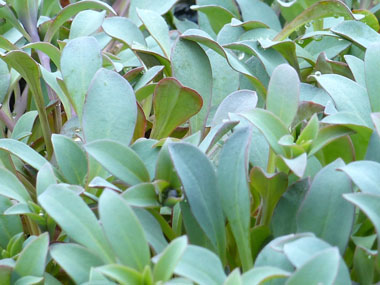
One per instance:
(47,48)
(322,268)
(283,93)
(215,134)
(81,58)
(5,79)
(207,270)
(123,231)
(122,274)
(76,219)
(24,125)
(5,274)
(270,125)
(226,80)
(32,260)
(357,32)
(365,174)
(364,266)
(371,65)
(147,77)
(357,68)
(86,23)
(119,160)
(326,135)
(148,152)
(199,181)
(45,177)
(297,165)
(9,225)
(71,10)
(323,219)
(168,259)
(141,195)
(232,179)
(310,131)
(29,280)
(24,152)
(284,216)
(7,14)
(192,68)
(218,16)
(30,71)
(260,275)
(369,203)
(271,187)
(124,30)
(303,249)
(11,187)
(269,58)
(202,37)
(159,6)
(157,27)
(237,102)
(347,95)
(173,105)
(76,260)
(259,11)
(152,229)
(320,10)
(234,278)
(55,82)
(70,158)
(110,110)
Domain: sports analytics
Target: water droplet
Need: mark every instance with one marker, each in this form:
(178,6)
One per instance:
(369,256)
(317,38)
(300,42)
(77,139)
(41,214)
(317,73)
(307,25)
(286,3)
(241,56)
(336,16)
(340,39)
(77,130)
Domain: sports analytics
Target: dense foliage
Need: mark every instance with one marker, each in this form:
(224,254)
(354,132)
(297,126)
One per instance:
(144,142)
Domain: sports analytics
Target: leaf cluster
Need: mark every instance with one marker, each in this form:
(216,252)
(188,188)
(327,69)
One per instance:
(181,142)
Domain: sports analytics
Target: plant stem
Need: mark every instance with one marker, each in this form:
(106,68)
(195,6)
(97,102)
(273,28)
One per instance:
(6,120)
(271,161)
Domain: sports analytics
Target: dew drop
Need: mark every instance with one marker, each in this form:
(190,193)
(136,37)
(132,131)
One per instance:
(300,42)
(77,130)
(307,25)
(317,38)
(317,73)
(77,139)
(241,56)
(41,214)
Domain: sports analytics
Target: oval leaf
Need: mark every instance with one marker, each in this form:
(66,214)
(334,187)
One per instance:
(75,218)
(123,231)
(120,160)
(173,105)
(110,110)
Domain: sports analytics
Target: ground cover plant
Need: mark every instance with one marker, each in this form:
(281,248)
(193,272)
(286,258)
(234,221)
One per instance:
(170,142)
